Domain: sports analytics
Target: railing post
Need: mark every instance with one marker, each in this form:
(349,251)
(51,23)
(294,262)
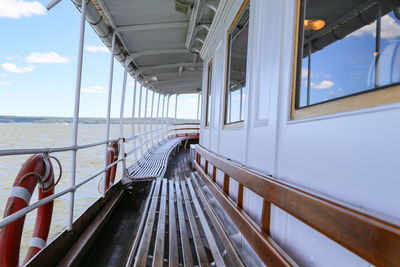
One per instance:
(121,120)
(110,84)
(176,106)
(162,119)
(198,106)
(145,119)
(76,115)
(151,119)
(166,118)
(133,116)
(158,109)
(139,117)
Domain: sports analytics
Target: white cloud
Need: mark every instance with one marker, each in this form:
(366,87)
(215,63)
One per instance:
(322,85)
(16,9)
(97,48)
(5,83)
(331,92)
(390,29)
(13,68)
(94,89)
(46,58)
(304,73)
(11,58)
(4,75)
(192,100)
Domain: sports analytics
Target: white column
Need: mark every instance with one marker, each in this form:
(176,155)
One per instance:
(145,117)
(76,115)
(151,119)
(158,109)
(162,120)
(176,106)
(110,83)
(166,118)
(139,116)
(133,124)
(121,120)
(198,106)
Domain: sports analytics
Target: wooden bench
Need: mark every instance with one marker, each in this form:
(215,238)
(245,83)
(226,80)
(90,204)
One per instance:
(153,163)
(368,235)
(180,227)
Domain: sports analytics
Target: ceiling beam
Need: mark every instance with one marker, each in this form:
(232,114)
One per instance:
(188,81)
(152,26)
(175,75)
(173,65)
(157,52)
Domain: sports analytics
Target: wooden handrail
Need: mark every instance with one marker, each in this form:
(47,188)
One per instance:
(370,236)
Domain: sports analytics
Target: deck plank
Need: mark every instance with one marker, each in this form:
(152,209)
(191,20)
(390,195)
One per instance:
(173,244)
(201,254)
(158,257)
(186,250)
(143,249)
(231,252)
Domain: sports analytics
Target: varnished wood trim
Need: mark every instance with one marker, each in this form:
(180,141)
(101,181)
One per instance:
(263,245)
(235,20)
(266,216)
(226,184)
(384,96)
(240,196)
(214,174)
(369,236)
(379,97)
(206,167)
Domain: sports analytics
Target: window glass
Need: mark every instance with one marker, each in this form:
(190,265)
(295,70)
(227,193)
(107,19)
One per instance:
(347,47)
(236,90)
(208,96)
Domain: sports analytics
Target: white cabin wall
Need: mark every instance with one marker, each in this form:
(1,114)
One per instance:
(352,157)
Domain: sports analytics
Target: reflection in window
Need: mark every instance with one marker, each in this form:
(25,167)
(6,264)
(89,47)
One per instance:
(208,94)
(236,75)
(347,47)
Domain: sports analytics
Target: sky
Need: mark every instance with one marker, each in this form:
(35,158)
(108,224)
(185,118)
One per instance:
(38,62)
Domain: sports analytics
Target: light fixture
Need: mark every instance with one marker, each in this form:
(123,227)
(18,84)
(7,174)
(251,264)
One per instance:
(314,24)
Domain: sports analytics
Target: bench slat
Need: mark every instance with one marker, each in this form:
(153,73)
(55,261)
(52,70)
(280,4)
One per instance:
(173,244)
(158,257)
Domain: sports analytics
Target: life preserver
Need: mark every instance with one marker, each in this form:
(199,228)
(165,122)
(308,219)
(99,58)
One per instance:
(37,169)
(112,156)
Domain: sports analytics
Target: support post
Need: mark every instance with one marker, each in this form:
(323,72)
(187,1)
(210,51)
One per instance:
(176,106)
(76,116)
(166,118)
(139,117)
(133,124)
(145,119)
(198,107)
(162,119)
(110,83)
(121,121)
(158,109)
(151,119)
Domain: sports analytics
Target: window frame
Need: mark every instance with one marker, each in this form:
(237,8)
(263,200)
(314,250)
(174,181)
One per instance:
(208,91)
(383,95)
(236,124)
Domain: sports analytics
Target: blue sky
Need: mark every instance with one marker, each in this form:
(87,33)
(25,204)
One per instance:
(38,59)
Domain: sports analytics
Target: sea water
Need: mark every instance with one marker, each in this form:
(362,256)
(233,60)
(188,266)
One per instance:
(89,161)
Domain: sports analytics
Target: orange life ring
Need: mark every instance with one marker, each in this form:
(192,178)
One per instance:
(112,156)
(37,169)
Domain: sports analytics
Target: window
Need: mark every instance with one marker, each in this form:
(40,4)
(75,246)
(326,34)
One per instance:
(236,89)
(346,48)
(208,94)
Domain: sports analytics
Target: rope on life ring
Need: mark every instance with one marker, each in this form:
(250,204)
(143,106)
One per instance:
(112,156)
(38,169)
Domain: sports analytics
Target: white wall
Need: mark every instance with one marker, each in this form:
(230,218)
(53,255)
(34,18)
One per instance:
(353,156)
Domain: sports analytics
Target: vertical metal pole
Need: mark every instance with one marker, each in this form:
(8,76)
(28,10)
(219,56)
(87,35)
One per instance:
(166,118)
(162,119)
(198,107)
(133,116)
(176,112)
(139,116)
(121,121)
(76,115)
(110,83)
(151,119)
(309,75)
(176,106)
(145,117)
(378,44)
(158,109)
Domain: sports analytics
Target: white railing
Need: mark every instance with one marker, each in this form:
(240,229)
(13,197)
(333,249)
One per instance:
(71,189)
